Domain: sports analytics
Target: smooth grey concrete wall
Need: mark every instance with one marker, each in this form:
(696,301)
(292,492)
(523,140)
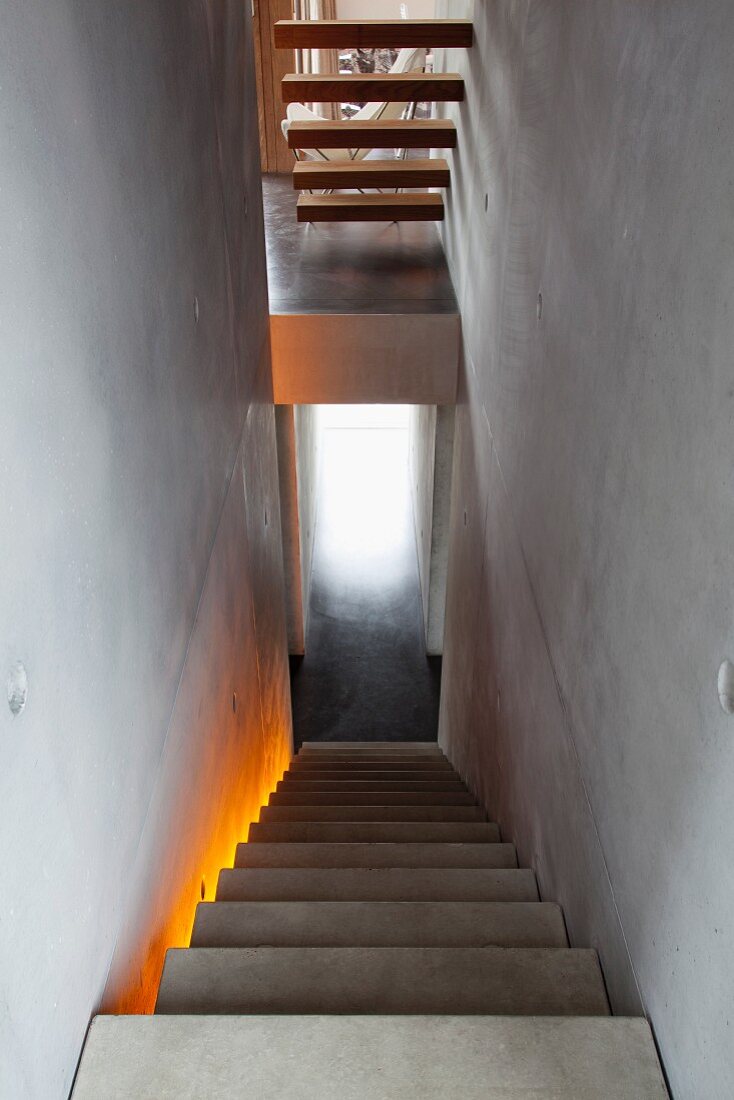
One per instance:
(140,546)
(590,599)
(298,451)
(431,457)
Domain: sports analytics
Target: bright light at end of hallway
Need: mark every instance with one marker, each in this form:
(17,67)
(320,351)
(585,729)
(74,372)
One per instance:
(364,501)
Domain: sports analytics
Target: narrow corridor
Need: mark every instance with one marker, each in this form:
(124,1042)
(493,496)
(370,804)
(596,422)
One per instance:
(365,675)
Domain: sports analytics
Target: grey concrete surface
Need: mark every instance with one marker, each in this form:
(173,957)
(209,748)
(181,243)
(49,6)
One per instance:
(505,884)
(431,461)
(370,832)
(588,234)
(330,748)
(322,1058)
(375,854)
(133,341)
(402,812)
(432,980)
(435,766)
(351,268)
(378,924)
(371,798)
(295,779)
(298,465)
(345,786)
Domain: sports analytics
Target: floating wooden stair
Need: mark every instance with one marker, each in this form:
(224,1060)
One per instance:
(295,34)
(396,134)
(372,87)
(421,207)
(306,975)
(316,174)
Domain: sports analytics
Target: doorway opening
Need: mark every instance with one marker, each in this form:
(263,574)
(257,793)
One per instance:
(361,478)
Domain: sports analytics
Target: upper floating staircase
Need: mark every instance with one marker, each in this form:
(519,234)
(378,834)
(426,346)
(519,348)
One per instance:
(386,87)
(375,939)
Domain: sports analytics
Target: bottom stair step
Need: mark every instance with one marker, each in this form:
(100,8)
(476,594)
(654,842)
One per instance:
(368,1058)
(414,980)
(416,207)
(378,924)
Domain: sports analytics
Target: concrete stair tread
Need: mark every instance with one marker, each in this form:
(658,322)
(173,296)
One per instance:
(333,1058)
(371,746)
(416,980)
(371,763)
(371,798)
(441,775)
(333,784)
(384,854)
(372,813)
(502,884)
(378,924)
(355,832)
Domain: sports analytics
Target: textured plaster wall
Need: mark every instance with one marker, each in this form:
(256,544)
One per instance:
(589,231)
(141,568)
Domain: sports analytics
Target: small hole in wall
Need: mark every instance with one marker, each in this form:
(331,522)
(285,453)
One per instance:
(234,702)
(726,686)
(196,311)
(202,888)
(540,307)
(17,689)
(486,203)
(266,518)
(499,701)
(465,517)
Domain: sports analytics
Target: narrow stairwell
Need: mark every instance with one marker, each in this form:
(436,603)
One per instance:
(375,938)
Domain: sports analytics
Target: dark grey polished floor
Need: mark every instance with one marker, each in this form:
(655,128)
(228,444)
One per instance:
(365,675)
(351,267)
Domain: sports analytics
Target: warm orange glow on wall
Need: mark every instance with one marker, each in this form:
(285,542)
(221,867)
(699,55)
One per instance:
(170,920)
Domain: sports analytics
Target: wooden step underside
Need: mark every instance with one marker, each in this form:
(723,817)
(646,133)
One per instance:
(422,172)
(305,34)
(370,208)
(421,133)
(372,88)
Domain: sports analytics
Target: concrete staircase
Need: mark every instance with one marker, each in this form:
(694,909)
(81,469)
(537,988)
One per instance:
(375,938)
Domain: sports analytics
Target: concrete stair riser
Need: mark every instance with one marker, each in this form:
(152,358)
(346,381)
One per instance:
(377,884)
(455,980)
(387,763)
(375,855)
(371,798)
(345,786)
(378,924)
(372,813)
(376,774)
(356,832)
(423,748)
